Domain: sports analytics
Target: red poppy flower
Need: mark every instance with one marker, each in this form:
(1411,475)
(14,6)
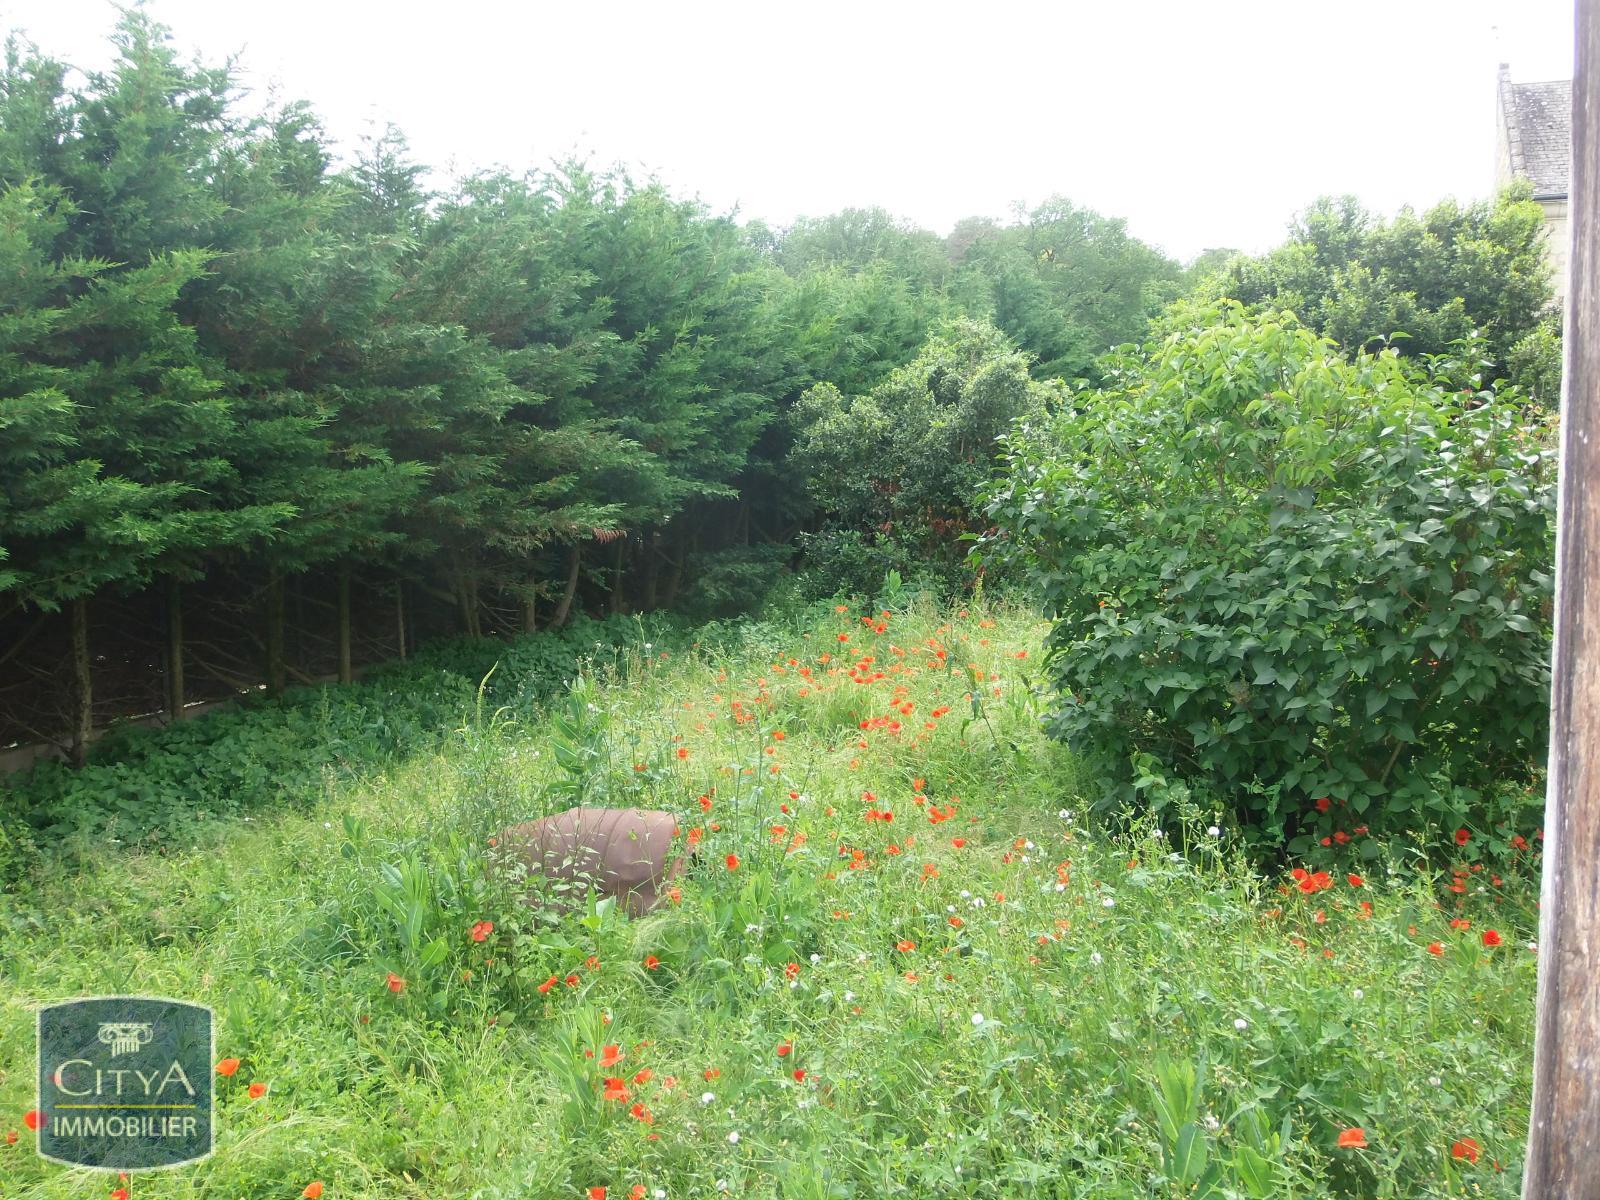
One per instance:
(227,1066)
(33,1118)
(571,981)
(792,970)
(615,1089)
(120,1193)
(1355,880)
(636,1192)
(1491,938)
(651,962)
(482,930)
(1354,1138)
(783,1049)
(1324,804)
(11,1137)
(547,985)
(800,1075)
(597,1193)
(732,862)
(711,1072)
(312,1190)
(1463,837)
(1466,1148)
(395,983)
(905,947)
(683,752)
(1435,948)
(644,1076)
(257,1090)
(609,1055)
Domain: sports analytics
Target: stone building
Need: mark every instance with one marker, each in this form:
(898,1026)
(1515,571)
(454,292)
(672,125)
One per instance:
(1534,142)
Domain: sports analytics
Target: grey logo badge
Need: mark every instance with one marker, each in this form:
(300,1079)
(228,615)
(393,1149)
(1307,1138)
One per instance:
(125,1082)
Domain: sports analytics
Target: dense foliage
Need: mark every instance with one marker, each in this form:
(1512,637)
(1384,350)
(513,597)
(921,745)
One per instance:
(222,354)
(1421,282)
(897,469)
(1317,586)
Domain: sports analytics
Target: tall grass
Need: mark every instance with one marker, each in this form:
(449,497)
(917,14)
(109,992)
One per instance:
(969,993)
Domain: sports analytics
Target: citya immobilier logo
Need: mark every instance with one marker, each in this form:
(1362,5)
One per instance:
(125,1082)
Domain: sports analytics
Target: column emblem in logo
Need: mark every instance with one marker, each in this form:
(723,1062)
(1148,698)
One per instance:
(125,1037)
(125,1082)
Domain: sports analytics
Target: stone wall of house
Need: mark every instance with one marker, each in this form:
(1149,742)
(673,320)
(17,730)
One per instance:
(1555,231)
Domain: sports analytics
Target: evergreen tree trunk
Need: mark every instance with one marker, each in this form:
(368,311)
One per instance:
(564,608)
(652,570)
(175,688)
(530,608)
(275,668)
(346,675)
(82,680)
(467,598)
(669,594)
(616,575)
(463,606)
(400,617)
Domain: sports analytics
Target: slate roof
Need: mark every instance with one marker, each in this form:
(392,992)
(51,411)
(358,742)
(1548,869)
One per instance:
(1538,120)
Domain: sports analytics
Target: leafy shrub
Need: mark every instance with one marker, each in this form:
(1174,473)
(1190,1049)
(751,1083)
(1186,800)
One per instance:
(897,469)
(1287,576)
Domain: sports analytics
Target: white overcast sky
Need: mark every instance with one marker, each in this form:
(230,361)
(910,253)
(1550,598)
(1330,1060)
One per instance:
(1202,123)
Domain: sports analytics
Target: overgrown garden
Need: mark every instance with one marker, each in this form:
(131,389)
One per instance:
(1106,696)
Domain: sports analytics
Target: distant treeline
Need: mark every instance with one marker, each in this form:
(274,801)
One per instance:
(240,375)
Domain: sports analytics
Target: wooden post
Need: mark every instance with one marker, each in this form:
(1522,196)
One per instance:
(82,681)
(346,675)
(400,616)
(275,667)
(1563,1161)
(175,683)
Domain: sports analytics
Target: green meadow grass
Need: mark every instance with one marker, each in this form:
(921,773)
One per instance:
(984,993)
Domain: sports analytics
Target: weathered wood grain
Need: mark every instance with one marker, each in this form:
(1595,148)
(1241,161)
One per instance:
(1563,1160)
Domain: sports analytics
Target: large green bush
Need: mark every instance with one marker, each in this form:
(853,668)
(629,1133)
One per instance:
(897,469)
(1287,576)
